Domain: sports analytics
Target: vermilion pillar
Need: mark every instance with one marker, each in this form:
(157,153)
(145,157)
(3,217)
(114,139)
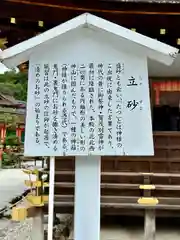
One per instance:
(3,133)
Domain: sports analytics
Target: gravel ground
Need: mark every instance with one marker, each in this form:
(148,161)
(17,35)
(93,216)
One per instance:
(22,231)
(11,185)
(15,231)
(13,180)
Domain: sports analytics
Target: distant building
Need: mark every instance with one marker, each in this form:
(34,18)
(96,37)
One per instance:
(12,117)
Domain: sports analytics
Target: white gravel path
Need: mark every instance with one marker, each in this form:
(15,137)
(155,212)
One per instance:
(130,233)
(15,231)
(11,185)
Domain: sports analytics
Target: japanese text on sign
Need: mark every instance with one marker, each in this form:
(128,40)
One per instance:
(82,109)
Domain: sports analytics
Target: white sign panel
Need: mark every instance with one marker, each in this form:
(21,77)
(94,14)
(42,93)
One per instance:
(90,108)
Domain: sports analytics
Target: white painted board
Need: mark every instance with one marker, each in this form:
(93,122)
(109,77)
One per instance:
(94,108)
(91,56)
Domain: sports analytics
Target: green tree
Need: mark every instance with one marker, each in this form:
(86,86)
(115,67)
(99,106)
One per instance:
(14,84)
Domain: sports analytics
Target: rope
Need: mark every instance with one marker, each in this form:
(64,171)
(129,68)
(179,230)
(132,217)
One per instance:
(5,209)
(12,205)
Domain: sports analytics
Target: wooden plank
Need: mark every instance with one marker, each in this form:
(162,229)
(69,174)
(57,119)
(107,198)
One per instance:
(139,159)
(126,174)
(164,147)
(123,205)
(166,133)
(120,199)
(121,186)
(121,211)
(137,174)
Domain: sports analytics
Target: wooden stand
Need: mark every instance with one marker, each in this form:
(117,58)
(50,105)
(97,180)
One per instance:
(87,198)
(149,225)
(38,225)
(149,218)
(51,198)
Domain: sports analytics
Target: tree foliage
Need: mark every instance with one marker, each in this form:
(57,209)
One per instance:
(12,141)
(14,84)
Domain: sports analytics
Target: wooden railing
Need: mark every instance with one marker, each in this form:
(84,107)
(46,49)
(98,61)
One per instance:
(121,178)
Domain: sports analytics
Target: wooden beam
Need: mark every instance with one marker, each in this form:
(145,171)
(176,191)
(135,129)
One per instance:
(120,199)
(42,11)
(120,211)
(142,22)
(112,205)
(149,225)
(24,12)
(87,195)
(104,7)
(149,217)
(127,174)
(19,29)
(38,225)
(121,186)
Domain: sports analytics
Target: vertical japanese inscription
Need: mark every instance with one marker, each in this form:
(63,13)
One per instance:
(134,103)
(37,102)
(100,77)
(82,73)
(109,81)
(64,116)
(88,108)
(91,103)
(119,73)
(46,105)
(73,115)
(55,110)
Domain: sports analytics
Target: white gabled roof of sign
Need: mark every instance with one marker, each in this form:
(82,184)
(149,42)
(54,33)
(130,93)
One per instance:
(154,49)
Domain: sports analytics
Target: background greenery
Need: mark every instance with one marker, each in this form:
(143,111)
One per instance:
(14,84)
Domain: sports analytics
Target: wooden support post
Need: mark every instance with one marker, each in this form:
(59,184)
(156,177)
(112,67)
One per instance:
(38,226)
(87,198)
(51,198)
(151,96)
(150,217)
(2,134)
(149,225)
(42,161)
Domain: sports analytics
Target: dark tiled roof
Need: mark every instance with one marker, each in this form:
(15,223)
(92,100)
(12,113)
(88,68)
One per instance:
(151,1)
(11,101)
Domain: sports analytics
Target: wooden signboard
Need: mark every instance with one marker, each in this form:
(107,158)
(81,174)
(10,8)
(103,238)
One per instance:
(88,96)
